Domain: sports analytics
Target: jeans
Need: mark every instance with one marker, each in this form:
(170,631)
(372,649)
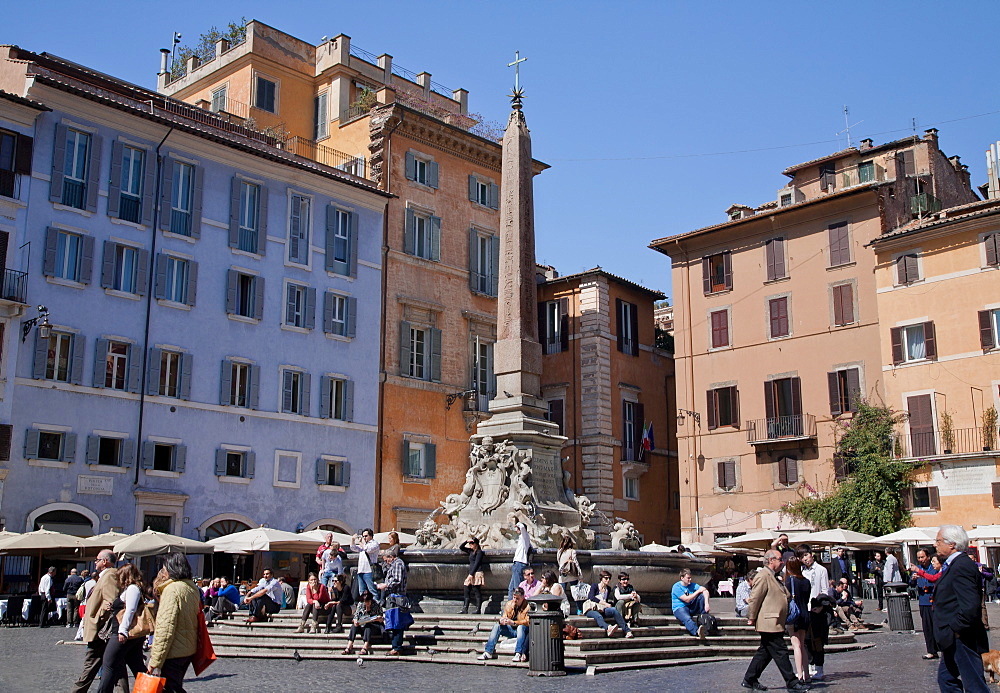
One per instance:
(263,606)
(326,577)
(397,638)
(516,576)
(521,633)
(612,613)
(366,582)
(686,614)
(960,660)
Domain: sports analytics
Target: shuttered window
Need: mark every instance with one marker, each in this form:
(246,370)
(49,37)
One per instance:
(923,440)
(341,241)
(627,327)
(727,475)
(913,343)
(244,294)
(778,317)
(723,407)
(553,325)
(720,328)
(295,392)
(996,494)
(843,305)
(841,467)
(992,244)
(266,95)
(840,245)
(989,329)
(788,471)
(827,176)
(717,272)
(845,390)
(774,252)
(907,269)
(421,169)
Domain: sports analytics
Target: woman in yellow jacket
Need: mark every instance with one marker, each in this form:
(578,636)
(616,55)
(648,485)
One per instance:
(176,636)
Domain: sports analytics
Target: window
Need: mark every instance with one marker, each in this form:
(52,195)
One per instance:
(783,407)
(300,306)
(110,452)
(913,343)
(169,373)
(163,457)
(235,463)
(15,158)
(845,390)
(321,118)
(60,349)
(723,407)
(421,170)
(484,262)
(907,269)
(219,98)
(420,352)
(843,305)
(991,241)
(483,192)
(125,195)
(333,472)
(68,255)
(908,163)
(841,466)
(866,171)
(240,384)
(632,428)
(840,244)
(631,488)
(777,312)
(175,279)
(49,445)
(628,327)
(785,199)
(556,409)
(170,367)
(774,253)
(294,392)
(483,379)
(920,419)
(827,176)
(76,169)
(248,217)
(922,498)
(717,272)
(788,471)
(298,229)
(336,314)
(244,294)
(124,268)
(989,329)
(265,95)
(720,328)
(336,398)
(726,471)
(182,198)
(422,236)
(116,365)
(341,241)
(419,460)
(553,325)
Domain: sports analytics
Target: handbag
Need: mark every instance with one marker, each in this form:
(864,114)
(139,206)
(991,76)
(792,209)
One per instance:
(793,606)
(398,619)
(580,591)
(144,623)
(204,655)
(108,628)
(145,683)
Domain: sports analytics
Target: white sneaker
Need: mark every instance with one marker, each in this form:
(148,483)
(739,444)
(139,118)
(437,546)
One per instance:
(817,674)
(487,655)
(812,670)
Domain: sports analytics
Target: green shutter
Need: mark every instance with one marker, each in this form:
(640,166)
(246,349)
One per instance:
(430,461)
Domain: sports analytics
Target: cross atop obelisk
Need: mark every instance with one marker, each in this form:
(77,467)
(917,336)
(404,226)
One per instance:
(518,93)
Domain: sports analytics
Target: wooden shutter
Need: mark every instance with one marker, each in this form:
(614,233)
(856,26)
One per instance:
(141,271)
(191,294)
(220,462)
(127,453)
(253,401)
(408,233)
(31,438)
(564,324)
(411,166)
(310,309)
(543,335)
(788,471)
(258,297)
(134,384)
(41,357)
(153,377)
(197,190)
(404,348)
(58,163)
(633,316)
(22,155)
(114,185)
(184,377)
(232,289)
(992,242)
(348,401)
(909,165)
(405,459)
(49,252)
(987,340)
(727,268)
(86,259)
(148,455)
(727,474)
(473,258)
(322,471)
(638,423)
(853,388)
(779,316)
(840,467)
(494,196)
(796,396)
(305,394)
(473,188)
(148,187)
(180,458)
(160,278)
(430,460)
(93,449)
(907,498)
(235,208)
(326,407)
(712,407)
(833,385)
(6,435)
(435,350)
(775,256)
(996,494)
(166,192)
(706,274)
(921,420)
(93,173)
(844,296)
(734,406)
(100,362)
(720,329)
(840,252)
(286,391)
(930,341)
(328,303)
(108,265)
(76,365)
(330,262)
(350,329)
(619,325)
(896,337)
(434,224)
(770,406)
(901,269)
(494,266)
(226,383)
(933,498)
(69,447)
(432,174)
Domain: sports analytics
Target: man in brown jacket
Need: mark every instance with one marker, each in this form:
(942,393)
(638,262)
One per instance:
(768,608)
(105,591)
(513,624)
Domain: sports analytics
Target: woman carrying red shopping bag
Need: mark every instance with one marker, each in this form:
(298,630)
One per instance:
(177,624)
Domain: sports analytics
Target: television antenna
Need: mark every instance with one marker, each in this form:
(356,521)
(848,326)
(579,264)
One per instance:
(848,125)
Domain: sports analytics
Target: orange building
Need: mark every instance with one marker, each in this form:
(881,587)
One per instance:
(604,381)
(777,328)
(939,305)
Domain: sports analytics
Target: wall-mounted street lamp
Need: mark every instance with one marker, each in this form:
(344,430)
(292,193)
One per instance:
(693,414)
(455,396)
(42,320)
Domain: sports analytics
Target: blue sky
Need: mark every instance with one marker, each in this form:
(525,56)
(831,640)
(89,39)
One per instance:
(655,116)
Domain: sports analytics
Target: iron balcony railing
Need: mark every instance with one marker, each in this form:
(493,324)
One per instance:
(180,222)
(223,105)
(353,113)
(74,193)
(924,203)
(130,208)
(780,428)
(248,240)
(15,286)
(320,153)
(959,441)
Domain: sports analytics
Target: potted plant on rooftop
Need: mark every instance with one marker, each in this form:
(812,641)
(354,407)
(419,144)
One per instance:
(947,432)
(990,428)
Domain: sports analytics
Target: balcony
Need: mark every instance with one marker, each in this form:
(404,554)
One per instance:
(960,441)
(310,149)
(781,429)
(924,203)
(15,286)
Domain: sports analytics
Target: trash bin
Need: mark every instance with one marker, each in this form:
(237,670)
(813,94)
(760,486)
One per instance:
(545,641)
(897,601)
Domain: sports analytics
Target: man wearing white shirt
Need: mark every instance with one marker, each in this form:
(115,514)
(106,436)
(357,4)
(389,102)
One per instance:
(819,579)
(45,591)
(890,572)
(521,550)
(367,550)
(265,599)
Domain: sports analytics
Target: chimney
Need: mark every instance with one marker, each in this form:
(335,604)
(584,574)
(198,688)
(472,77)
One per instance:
(866,144)
(341,46)
(956,162)
(193,63)
(163,76)
(462,96)
(424,80)
(385,62)
(221,46)
(931,135)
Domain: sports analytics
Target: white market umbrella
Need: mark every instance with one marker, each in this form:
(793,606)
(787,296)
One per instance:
(152,543)
(106,540)
(404,538)
(836,537)
(985,532)
(657,548)
(319,536)
(263,539)
(758,539)
(41,540)
(907,535)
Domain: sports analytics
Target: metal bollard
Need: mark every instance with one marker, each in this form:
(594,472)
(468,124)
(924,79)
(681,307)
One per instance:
(545,624)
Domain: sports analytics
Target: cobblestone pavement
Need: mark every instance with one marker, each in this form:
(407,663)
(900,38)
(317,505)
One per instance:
(31,660)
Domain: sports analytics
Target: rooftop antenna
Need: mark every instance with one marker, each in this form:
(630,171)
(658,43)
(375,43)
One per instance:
(913,125)
(173,49)
(848,125)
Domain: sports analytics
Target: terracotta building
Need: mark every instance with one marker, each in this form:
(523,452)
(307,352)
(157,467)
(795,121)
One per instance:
(777,327)
(604,383)
(939,308)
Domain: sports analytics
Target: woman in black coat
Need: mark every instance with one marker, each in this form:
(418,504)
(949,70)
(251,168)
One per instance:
(476,579)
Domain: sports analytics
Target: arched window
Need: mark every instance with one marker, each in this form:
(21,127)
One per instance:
(65,521)
(224,527)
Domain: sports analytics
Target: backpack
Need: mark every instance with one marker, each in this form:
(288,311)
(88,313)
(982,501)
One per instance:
(710,622)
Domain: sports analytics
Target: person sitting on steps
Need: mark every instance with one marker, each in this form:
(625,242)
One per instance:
(513,623)
(265,600)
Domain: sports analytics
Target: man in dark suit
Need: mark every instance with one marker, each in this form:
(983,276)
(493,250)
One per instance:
(840,567)
(958,628)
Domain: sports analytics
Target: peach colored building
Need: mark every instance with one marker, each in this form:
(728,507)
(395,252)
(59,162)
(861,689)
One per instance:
(604,382)
(777,328)
(938,289)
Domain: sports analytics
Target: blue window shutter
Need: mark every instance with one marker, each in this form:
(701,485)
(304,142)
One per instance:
(58,163)
(41,357)
(492,384)
(128,453)
(76,368)
(294,228)
(435,335)
(184,387)
(328,300)
(196,197)
(432,174)
(49,252)
(495,266)
(31,443)
(235,206)
(86,259)
(69,447)
(148,187)
(141,271)
(473,188)
(134,383)
(321,475)
(262,220)
(430,461)
(93,173)
(108,265)
(153,378)
(494,196)
(408,234)
(192,283)
(325,403)
(148,452)
(180,458)
(348,400)
(114,184)
(352,245)
(220,462)
(435,224)
(249,462)
(306,394)
(352,316)
(100,362)
(160,277)
(473,258)
(310,317)
(411,166)
(254,398)
(406,458)
(226,383)
(330,250)
(286,391)
(345,473)
(93,449)
(166,192)
(291,291)
(404,349)
(258,298)
(232,286)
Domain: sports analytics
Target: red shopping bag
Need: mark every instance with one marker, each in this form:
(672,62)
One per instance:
(205,654)
(144,683)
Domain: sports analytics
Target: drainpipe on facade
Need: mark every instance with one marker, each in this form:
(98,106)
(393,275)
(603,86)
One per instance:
(149,307)
(690,369)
